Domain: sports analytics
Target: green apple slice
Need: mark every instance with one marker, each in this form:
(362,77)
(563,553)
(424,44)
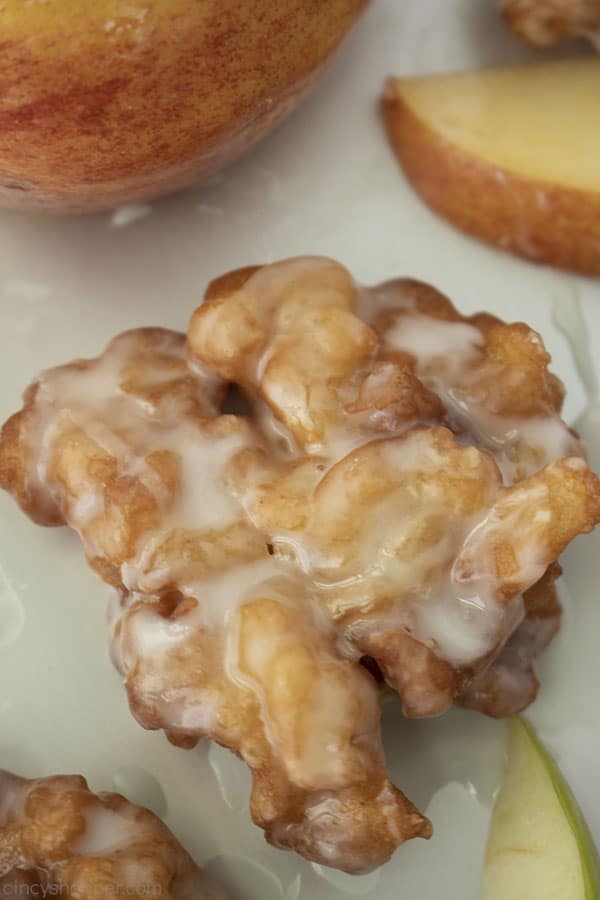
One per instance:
(540,847)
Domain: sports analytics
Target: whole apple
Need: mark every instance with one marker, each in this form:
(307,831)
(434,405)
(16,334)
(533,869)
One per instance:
(111,101)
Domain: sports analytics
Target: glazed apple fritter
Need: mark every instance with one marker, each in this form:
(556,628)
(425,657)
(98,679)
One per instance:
(57,838)
(397,497)
(546,22)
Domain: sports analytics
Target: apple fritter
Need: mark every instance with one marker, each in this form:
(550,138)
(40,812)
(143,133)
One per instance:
(398,493)
(546,22)
(57,838)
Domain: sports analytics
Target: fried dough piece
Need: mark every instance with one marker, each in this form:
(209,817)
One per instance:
(402,488)
(289,333)
(106,446)
(98,410)
(56,835)
(492,377)
(422,555)
(275,690)
(336,363)
(546,22)
(528,528)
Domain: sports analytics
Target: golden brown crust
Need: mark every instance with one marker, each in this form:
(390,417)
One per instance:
(14,465)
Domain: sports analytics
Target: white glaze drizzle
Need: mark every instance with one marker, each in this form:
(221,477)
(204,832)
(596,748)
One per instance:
(107,831)
(444,351)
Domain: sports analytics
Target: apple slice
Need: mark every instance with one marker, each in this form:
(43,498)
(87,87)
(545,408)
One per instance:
(540,847)
(510,155)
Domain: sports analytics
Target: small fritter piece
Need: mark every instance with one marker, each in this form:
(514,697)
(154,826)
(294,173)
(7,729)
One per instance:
(546,22)
(403,484)
(58,838)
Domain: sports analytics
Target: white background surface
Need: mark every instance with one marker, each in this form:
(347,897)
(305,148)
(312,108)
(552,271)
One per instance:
(325,183)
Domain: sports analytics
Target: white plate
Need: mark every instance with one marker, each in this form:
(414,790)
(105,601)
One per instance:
(326,183)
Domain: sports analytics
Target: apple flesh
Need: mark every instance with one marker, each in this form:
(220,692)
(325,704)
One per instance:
(508,155)
(540,847)
(108,102)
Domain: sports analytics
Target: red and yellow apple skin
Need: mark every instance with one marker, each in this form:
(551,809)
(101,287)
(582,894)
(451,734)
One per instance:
(120,100)
(555,224)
